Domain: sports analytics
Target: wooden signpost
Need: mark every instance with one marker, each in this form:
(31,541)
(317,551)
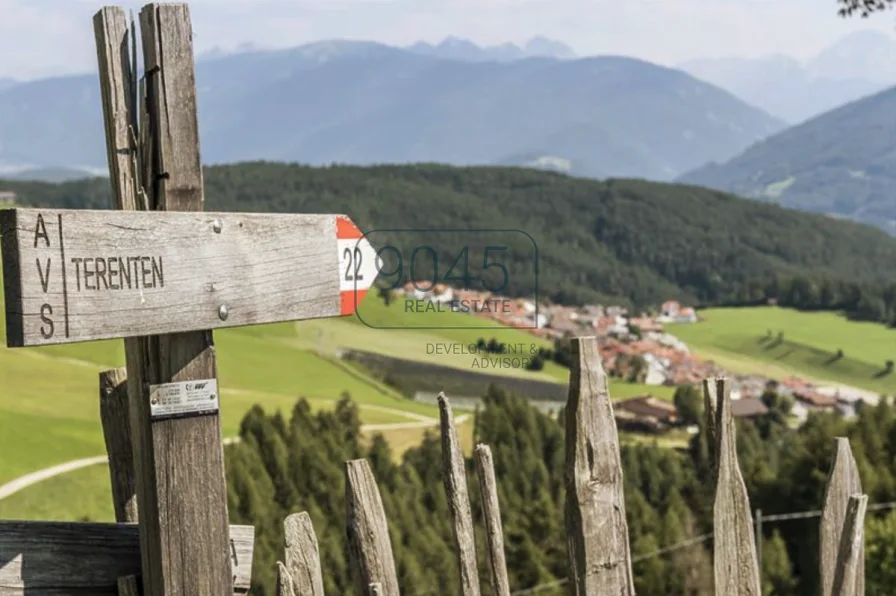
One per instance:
(162,273)
(79,275)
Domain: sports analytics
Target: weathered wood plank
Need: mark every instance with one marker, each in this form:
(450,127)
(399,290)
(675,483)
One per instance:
(455,478)
(843,482)
(180,463)
(491,510)
(121,113)
(368,532)
(285,586)
(596,528)
(128,586)
(118,88)
(302,555)
(77,559)
(710,412)
(735,563)
(851,549)
(115,416)
(91,274)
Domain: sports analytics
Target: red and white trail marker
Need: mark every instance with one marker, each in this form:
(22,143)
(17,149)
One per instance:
(358,261)
(80,275)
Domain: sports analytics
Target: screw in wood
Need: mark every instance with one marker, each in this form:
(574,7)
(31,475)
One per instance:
(223,312)
(217,226)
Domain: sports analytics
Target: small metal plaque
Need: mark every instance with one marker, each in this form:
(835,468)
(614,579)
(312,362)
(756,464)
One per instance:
(186,398)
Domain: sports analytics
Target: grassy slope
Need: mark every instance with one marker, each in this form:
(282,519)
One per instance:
(87,490)
(731,336)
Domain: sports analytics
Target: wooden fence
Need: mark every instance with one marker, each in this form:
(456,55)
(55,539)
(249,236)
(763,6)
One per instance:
(597,533)
(105,558)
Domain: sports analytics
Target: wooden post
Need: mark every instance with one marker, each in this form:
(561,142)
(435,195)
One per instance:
(596,528)
(491,510)
(179,461)
(302,556)
(710,407)
(455,477)
(128,586)
(115,416)
(735,565)
(368,531)
(759,542)
(117,70)
(285,586)
(843,481)
(851,549)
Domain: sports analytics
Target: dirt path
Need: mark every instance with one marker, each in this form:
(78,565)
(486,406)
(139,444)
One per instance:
(23,482)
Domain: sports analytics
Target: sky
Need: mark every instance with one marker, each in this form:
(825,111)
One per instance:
(40,38)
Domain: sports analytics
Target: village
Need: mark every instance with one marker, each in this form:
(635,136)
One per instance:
(639,347)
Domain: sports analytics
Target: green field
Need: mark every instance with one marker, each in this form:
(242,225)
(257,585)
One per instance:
(49,410)
(736,339)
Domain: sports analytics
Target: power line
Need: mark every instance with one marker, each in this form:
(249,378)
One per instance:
(697,540)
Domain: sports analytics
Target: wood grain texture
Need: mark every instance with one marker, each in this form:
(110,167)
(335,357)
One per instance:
(117,86)
(370,547)
(181,488)
(302,555)
(851,549)
(735,564)
(491,510)
(454,474)
(596,528)
(93,274)
(128,585)
(70,558)
(843,482)
(116,419)
(285,586)
(710,412)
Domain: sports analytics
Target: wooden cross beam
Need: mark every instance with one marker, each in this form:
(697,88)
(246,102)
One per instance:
(68,558)
(79,275)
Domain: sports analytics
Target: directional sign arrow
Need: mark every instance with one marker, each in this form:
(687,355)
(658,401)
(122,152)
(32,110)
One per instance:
(80,275)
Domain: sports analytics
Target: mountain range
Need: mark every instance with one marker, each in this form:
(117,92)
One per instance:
(363,103)
(842,163)
(857,65)
(455,48)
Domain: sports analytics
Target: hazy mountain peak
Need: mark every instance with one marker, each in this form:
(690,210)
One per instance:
(866,54)
(458,48)
(856,65)
(542,46)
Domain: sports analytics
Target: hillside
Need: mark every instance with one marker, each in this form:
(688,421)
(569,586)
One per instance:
(364,103)
(621,241)
(841,163)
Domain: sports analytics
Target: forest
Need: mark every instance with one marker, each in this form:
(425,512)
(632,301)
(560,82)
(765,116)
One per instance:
(294,462)
(628,242)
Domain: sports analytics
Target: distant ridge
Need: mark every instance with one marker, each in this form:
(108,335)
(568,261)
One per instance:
(361,102)
(455,48)
(842,163)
